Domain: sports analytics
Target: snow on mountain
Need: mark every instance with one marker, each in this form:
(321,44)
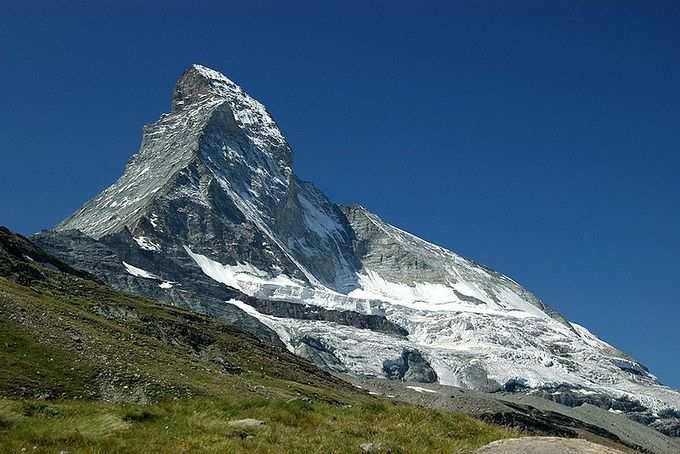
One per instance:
(138,272)
(211,200)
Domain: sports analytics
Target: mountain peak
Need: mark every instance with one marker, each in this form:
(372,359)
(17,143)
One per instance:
(199,82)
(209,73)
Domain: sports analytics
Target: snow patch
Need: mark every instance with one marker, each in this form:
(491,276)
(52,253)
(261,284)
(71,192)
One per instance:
(146,244)
(242,276)
(266,320)
(426,296)
(422,390)
(138,272)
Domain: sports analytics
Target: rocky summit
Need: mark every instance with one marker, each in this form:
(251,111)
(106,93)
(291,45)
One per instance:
(209,216)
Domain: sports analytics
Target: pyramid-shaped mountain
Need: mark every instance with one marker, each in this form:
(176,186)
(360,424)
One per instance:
(210,216)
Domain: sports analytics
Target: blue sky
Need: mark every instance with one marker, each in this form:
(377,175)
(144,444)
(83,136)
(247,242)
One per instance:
(539,138)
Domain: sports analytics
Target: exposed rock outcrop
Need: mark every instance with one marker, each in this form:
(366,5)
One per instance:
(410,366)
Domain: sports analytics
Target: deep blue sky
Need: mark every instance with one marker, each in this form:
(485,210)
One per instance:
(542,141)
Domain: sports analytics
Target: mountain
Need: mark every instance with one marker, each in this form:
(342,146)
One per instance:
(209,216)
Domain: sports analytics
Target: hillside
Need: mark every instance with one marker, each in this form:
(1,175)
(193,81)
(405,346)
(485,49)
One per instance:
(88,368)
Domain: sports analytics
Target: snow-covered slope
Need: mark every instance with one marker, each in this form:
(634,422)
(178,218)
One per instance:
(211,200)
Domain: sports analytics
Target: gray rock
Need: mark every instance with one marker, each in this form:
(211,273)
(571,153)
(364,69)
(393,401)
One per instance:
(315,351)
(245,424)
(370,447)
(474,376)
(410,366)
(668,426)
(545,445)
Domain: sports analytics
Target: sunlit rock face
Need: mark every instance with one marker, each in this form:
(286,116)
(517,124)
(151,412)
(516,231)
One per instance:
(209,216)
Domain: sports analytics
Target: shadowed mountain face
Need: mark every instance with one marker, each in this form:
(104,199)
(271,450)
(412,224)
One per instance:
(209,216)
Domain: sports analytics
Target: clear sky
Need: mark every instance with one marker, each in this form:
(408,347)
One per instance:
(539,138)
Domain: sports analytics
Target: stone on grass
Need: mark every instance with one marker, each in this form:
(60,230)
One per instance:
(247,423)
(370,447)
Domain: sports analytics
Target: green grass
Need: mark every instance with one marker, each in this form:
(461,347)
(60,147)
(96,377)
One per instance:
(201,425)
(28,364)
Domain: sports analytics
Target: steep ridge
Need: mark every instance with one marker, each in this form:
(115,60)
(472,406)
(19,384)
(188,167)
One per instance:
(217,169)
(209,216)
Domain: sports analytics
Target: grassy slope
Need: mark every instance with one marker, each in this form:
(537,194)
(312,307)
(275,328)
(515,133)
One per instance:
(86,369)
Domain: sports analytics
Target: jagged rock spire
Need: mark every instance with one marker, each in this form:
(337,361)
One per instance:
(199,82)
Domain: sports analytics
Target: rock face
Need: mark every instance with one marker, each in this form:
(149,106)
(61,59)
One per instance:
(18,255)
(315,351)
(410,366)
(209,216)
